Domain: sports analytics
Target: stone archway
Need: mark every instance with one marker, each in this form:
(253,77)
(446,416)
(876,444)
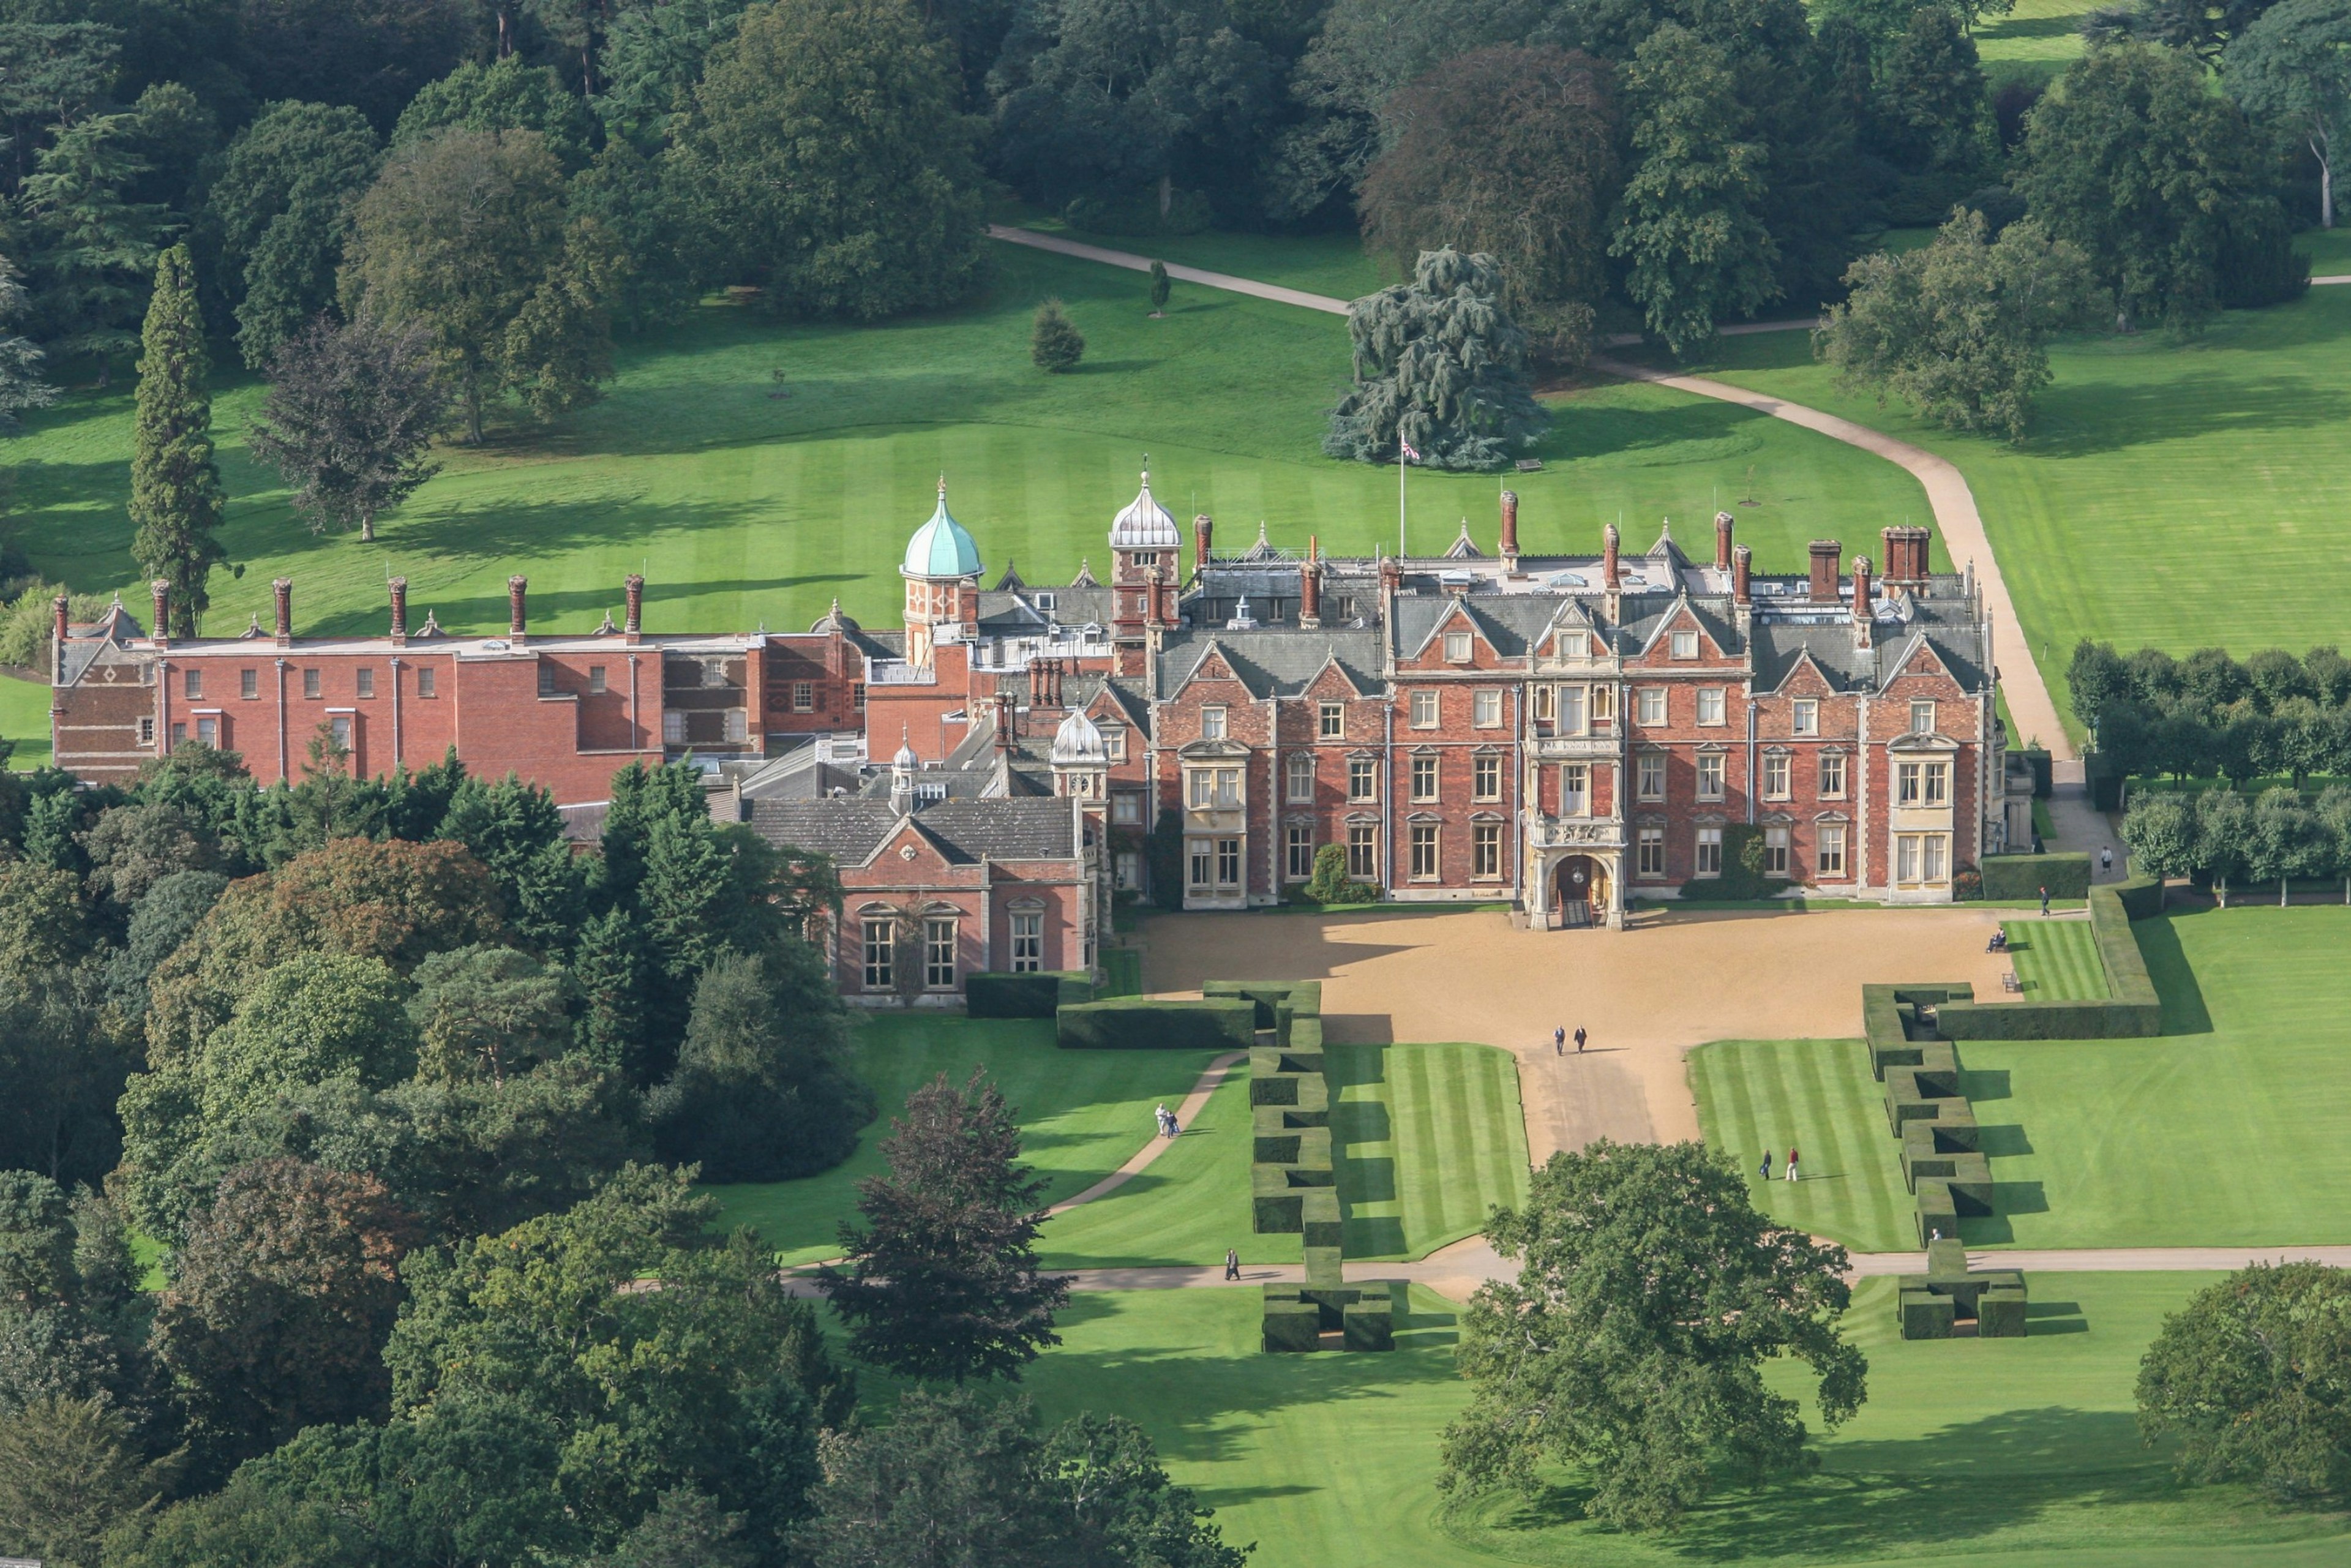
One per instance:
(1580,885)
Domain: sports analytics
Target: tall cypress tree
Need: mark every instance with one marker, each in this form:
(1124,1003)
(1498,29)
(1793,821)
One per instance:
(175,489)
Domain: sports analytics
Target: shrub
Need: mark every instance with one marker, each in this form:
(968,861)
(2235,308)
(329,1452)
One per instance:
(1330,883)
(2008,878)
(992,995)
(1055,343)
(1289,1323)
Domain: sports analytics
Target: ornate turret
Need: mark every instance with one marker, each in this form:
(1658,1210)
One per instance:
(1144,546)
(942,572)
(1080,760)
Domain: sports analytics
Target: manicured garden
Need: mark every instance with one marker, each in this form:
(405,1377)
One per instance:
(1433,1138)
(2056,960)
(2025,1449)
(746,507)
(24,719)
(1762,1097)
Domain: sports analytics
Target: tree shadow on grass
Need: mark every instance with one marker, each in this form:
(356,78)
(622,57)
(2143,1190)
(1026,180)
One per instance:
(2087,419)
(1882,1499)
(2184,1011)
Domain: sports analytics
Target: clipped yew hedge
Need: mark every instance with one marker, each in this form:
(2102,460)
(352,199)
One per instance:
(994,994)
(1142,1023)
(2010,877)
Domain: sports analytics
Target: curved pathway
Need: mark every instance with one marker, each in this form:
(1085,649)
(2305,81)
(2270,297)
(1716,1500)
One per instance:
(1194,1104)
(1953,503)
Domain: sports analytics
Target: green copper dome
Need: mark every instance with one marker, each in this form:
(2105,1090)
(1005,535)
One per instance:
(941,547)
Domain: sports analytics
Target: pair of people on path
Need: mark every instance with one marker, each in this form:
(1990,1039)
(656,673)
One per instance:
(1764,1170)
(1558,1041)
(1168,1125)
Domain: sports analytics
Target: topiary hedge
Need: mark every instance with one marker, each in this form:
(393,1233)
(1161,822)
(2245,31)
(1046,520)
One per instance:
(993,994)
(2131,1009)
(1139,1023)
(2007,878)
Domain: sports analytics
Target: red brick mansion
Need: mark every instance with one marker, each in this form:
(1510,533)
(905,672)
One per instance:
(1557,733)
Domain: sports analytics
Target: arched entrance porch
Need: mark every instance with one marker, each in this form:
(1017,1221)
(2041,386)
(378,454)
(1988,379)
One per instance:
(1580,890)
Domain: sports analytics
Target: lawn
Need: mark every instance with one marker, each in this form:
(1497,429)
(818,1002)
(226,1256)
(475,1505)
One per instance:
(24,719)
(745,507)
(1082,1114)
(1328,264)
(2056,960)
(2033,43)
(1762,1097)
(2176,493)
(2024,1448)
(2233,1128)
(1432,1137)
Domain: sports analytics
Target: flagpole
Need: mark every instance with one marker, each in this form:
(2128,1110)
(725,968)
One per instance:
(1400,450)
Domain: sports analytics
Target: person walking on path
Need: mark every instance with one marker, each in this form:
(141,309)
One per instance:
(1232,1263)
(2106,860)
(1165,1121)
(1792,1164)
(1764,1170)
(2044,904)
(1580,1038)
(1558,1041)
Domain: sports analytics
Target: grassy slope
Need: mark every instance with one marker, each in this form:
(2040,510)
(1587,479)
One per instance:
(2056,960)
(2032,43)
(2176,493)
(1081,1113)
(1760,1096)
(1433,1138)
(2020,1448)
(2233,1128)
(24,719)
(746,509)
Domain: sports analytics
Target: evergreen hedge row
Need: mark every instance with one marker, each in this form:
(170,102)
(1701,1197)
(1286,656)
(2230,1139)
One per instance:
(1140,1023)
(2010,877)
(2131,1009)
(993,994)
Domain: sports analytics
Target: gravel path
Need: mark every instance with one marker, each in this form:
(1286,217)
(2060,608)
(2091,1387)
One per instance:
(1947,489)
(1194,1104)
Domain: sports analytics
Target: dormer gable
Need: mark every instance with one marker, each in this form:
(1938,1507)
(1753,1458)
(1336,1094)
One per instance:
(1453,620)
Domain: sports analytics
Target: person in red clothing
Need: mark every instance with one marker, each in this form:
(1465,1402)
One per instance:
(1792,1164)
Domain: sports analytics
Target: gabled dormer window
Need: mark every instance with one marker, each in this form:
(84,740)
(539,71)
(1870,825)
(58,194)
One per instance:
(1456,647)
(1685,645)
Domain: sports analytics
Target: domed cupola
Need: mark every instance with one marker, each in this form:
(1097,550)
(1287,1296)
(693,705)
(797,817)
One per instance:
(1080,760)
(1144,524)
(942,548)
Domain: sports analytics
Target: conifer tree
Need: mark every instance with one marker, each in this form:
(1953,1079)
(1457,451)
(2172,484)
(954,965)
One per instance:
(1056,343)
(1440,364)
(1159,290)
(175,489)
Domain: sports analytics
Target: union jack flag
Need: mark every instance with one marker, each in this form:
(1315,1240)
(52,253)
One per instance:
(1411,453)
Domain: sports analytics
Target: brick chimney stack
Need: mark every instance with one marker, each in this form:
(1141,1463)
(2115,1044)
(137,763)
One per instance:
(1204,532)
(283,588)
(1724,524)
(1824,570)
(1510,531)
(1865,615)
(62,608)
(1610,577)
(399,586)
(1742,567)
(1310,587)
(161,589)
(516,623)
(1906,556)
(1004,721)
(634,626)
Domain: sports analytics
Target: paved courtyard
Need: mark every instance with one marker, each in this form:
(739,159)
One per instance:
(1646,995)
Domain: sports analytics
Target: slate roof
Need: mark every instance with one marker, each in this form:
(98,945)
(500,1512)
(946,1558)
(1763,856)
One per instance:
(965,831)
(1273,660)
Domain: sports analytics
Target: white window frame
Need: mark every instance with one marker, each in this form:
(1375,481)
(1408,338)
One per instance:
(1212,723)
(939,935)
(1424,709)
(1648,769)
(1650,848)
(1126,807)
(1299,787)
(1682,644)
(1713,706)
(1712,775)
(1775,850)
(1485,708)
(1650,708)
(1804,716)
(1485,851)
(1297,837)
(1363,852)
(881,952)
(1485,778)
(1828,851)
(1832,775)
(1363,780)
(1707,859)
(1778,774)
(1922,716)
(1428,846)
(1456,647)
(1427,779)
(1575,789)
(1332,721)
(363,684)
(1571,710)
(1229,862)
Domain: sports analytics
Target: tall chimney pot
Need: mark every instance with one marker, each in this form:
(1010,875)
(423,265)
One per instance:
(517,624)
(634,626)
(62,607)
(1609,575)
(161,589)
(1742,567)
(1724,523)
(1510,528)
(1204,532)
(1865,615)
(399,586)
(1310,588)
(1824,570)
(283,589)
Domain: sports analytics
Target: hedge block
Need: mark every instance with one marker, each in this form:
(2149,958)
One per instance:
(1277,1211)
(1935,1210)
(1322,1271)
(2011,877)
(1302,996)
(1947,1258)
(1139,1023)
(1276,1148)
(1369,1324)
(1925,1315)
(1319,1217)
(1290,1324)
(994,994)
(1999,1312)
(1281,1089)
(1265,1061)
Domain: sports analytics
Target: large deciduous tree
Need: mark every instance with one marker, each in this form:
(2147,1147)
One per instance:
(831,163)
(942,1279)
(176,499)
(2157,178)
(466,234)
(280,1301)
(1512,153)
(2249,1379)
(1649,1296)
(1688,228)
(280,209)
(352,410)
(1440,364)
(1960,331)
(2292,70)
(505,95)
